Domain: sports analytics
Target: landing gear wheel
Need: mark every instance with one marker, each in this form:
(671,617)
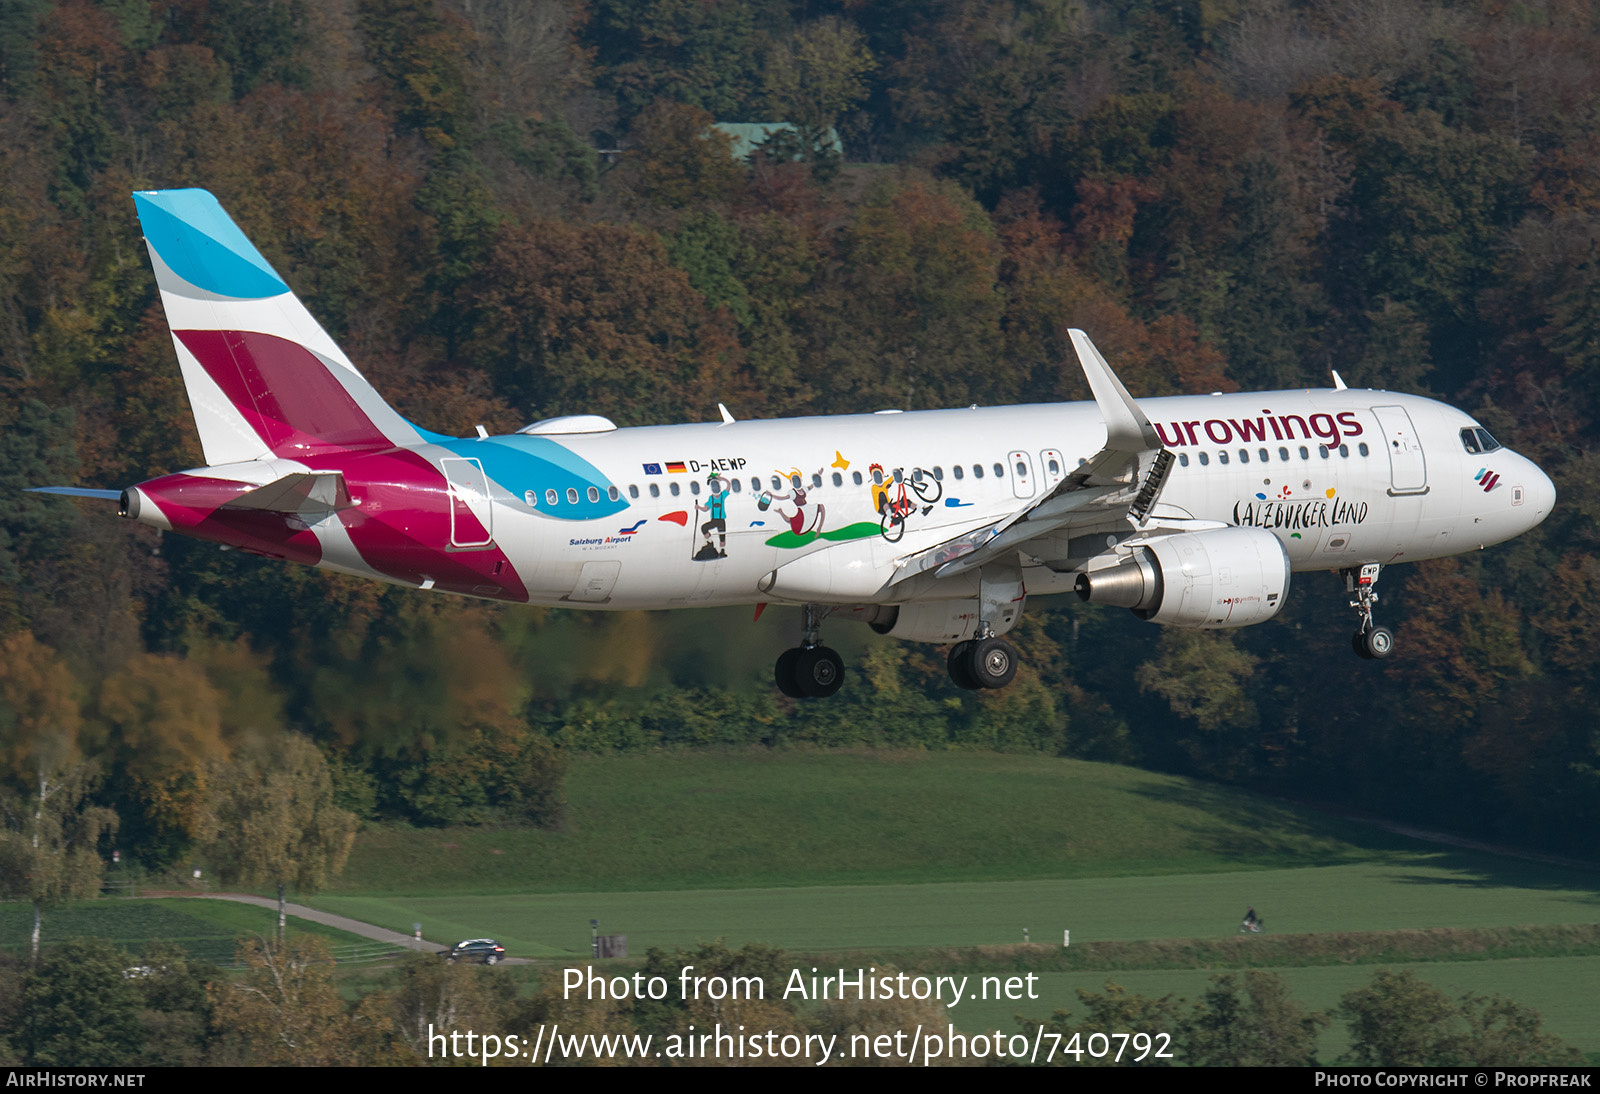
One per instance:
(784,674)
(819,672)
(960,669)
(1375,644)
(992,662)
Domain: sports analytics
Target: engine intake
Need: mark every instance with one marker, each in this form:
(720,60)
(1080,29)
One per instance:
(1229,577)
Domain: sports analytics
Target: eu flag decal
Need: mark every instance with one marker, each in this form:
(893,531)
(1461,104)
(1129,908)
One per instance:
(652,469)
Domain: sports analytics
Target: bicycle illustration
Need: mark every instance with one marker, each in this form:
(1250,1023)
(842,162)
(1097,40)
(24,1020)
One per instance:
(901,498)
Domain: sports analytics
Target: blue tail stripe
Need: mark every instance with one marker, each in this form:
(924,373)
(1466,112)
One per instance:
(202,245)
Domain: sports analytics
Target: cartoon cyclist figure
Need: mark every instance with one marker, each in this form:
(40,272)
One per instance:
(716,509)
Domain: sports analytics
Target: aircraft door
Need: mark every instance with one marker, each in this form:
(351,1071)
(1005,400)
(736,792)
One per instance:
(1052,467)
(1408,470)
(1021,471)
(471,511)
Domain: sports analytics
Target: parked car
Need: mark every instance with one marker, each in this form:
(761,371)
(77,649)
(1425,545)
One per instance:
(485,951)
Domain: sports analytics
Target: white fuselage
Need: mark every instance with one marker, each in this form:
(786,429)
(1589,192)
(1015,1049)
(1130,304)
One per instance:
(1341,477)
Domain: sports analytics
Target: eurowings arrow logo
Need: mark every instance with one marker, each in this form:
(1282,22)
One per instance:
(1486,479)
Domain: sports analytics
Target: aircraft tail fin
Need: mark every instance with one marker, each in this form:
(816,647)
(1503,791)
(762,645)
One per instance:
(264,379)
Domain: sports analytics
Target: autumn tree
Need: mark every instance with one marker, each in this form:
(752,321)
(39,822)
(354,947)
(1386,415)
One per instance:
(285,1011)
(1261,1027)
(1399,1020)
(52,828)
(80,1009)
(270,818)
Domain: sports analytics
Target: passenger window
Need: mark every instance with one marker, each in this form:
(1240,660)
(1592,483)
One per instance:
(1322,450)
(532,498)
(794,482)
(1283,454)
(694,487)
(938,473)
(1244,455)
(738,486)
(999,470)
(1305,453)
(572,495)
(899,474)
(916,474)
(613,493)
(1344,450)
(816,482)
(655,490)
(1055,468)
(777,483)
(633,491)
(1222,457)
(877,477)
(594,494)
(1183,459)
(838,479)
(855,477)
(958,472)
(1022,470)
(551,497)
(672,488)
(1265,455)
(977,470)
(1363,449)
(755,485)
(1205,460)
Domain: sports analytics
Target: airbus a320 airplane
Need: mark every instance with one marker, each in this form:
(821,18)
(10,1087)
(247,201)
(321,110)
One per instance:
(931,526)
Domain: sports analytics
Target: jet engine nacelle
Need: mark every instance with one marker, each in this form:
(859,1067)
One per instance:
(941,621)
(1227,577)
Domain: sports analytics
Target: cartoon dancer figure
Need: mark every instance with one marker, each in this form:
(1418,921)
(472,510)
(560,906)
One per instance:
(716,508)
(797,522)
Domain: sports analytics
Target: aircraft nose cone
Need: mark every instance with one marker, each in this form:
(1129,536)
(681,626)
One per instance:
(1541,498)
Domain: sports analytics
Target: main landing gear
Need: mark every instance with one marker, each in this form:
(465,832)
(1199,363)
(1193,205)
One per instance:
(983,663)
(810,670)
(1370,641)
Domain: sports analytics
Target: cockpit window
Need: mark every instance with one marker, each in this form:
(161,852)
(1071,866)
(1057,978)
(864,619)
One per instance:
(1489,443)
(1476,439)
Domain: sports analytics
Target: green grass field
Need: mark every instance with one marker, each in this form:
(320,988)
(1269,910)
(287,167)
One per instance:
(819,852)
(709,820)
(206,929)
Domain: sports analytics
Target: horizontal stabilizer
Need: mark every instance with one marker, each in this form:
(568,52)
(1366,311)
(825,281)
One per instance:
(302,492)
(77,492)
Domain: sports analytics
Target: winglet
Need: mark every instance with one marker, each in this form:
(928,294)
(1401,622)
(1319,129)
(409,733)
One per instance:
(727,419)
(1127,428)
(1338,381)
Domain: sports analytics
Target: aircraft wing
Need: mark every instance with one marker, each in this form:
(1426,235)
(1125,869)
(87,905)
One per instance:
(1124,478)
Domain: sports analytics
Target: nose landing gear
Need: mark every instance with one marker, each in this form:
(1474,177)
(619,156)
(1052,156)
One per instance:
(1370,641)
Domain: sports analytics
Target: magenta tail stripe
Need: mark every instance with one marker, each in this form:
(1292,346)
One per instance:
(284,391)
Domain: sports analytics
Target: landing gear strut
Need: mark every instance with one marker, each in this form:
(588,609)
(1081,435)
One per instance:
(1370,640)
(809,670)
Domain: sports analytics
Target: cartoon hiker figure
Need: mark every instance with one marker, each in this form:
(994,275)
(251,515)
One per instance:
(797,520)
(716,508)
